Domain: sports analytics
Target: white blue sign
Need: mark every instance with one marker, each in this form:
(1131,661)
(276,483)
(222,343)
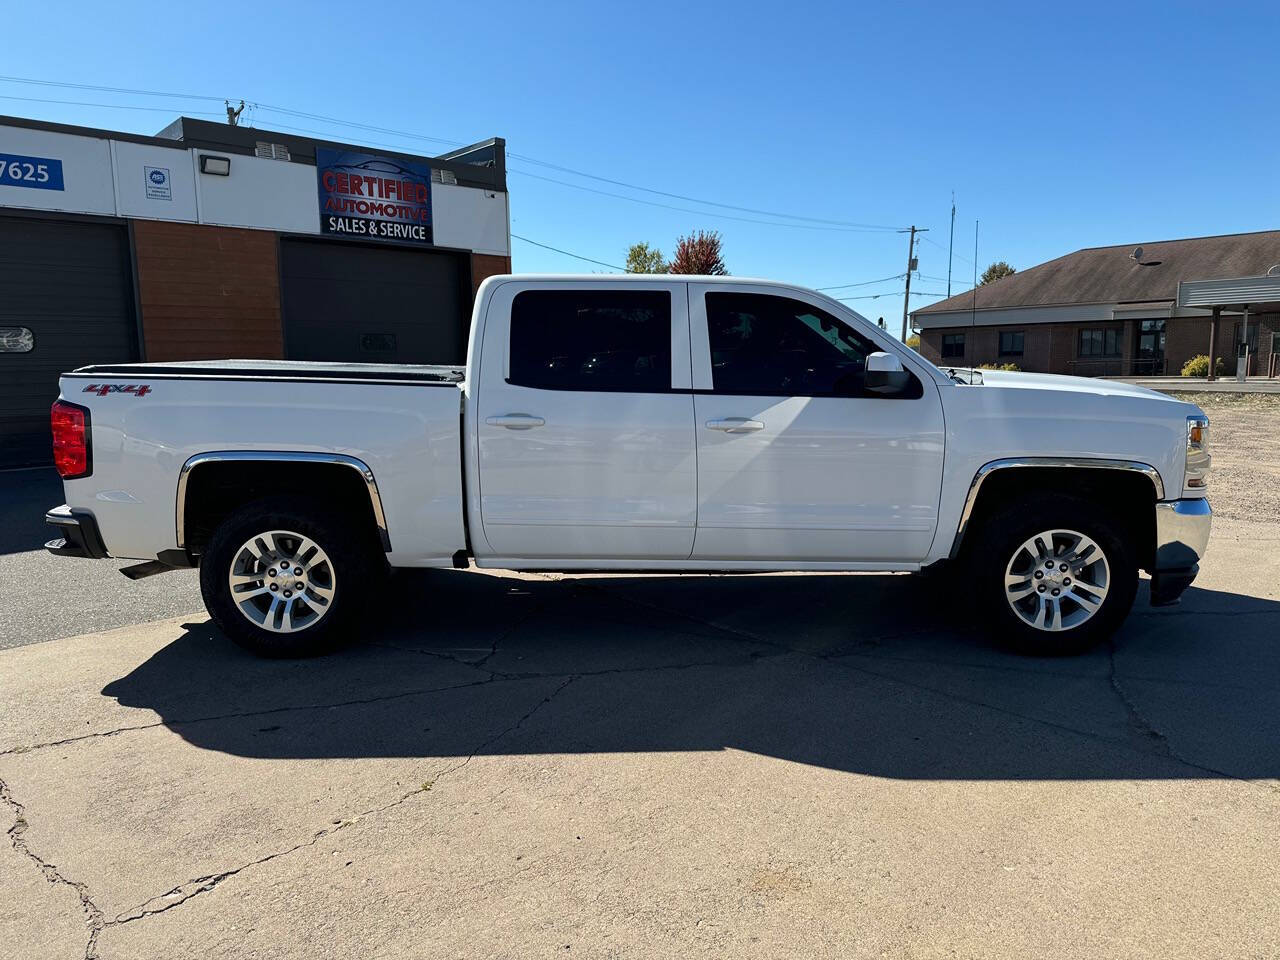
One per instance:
(379,198)
(158,184)
(38,173)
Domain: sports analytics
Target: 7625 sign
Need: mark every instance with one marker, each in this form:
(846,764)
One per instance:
(39,173)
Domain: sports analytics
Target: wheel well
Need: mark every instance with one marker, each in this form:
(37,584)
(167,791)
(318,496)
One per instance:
(1130,496)
(216,489)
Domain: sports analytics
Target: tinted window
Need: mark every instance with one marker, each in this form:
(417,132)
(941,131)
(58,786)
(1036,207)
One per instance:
(775,346)
(1011,343)
(1100,342)
(952,345)
(605,340)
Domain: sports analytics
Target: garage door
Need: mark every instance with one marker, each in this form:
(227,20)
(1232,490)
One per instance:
(66,300)
(356,302)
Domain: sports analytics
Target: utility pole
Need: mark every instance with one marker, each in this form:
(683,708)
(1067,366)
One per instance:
(233,113)
(952,244)
(911,266)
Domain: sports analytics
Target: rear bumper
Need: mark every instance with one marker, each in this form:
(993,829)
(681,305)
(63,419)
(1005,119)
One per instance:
(1182,536)
(79,535)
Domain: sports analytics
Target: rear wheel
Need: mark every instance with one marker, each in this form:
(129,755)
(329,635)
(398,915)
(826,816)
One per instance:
(279,580)
(1057,574)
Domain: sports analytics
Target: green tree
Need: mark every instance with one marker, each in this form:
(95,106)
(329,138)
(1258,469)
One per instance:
(642,258)
(913,341)
(699,253)
(995,272)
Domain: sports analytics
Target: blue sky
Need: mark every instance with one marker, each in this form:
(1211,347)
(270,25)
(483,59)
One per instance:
(1059,126)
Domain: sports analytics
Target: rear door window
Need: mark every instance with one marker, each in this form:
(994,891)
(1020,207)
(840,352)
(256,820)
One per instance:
(616,341)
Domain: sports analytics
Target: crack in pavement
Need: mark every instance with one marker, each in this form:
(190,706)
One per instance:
(842,661)
(17,840)
(1139,724)
(189,889)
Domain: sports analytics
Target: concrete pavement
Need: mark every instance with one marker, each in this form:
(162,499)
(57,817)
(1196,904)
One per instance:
(654,767)
(45,597)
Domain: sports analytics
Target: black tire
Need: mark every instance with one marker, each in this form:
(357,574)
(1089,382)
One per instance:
(350,561)
(1004,532)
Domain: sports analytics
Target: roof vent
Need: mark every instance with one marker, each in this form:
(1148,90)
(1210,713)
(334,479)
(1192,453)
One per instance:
(444,176)
(271,151)
(1137,254)
(1274,271)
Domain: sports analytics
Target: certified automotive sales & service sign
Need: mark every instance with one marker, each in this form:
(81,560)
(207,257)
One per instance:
(364,195)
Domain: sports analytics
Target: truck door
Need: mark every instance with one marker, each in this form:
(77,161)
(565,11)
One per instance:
(796,460)
(584,422)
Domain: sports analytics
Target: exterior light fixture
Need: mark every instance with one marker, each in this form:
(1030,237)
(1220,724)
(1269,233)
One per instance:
(216,166)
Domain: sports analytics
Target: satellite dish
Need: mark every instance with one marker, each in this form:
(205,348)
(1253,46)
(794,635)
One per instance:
(1136,255)
(1274,271)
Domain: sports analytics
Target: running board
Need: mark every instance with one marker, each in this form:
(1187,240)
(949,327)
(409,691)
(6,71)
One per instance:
(147,569)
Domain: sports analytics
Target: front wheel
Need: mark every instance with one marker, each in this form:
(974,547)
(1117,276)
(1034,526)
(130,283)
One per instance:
(1057,573)
(280,581)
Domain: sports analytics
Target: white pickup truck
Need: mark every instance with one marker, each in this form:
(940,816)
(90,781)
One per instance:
(643,424)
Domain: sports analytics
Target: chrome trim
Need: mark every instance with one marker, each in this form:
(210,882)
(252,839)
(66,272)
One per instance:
(1182,532)
(273,456)
(971,498)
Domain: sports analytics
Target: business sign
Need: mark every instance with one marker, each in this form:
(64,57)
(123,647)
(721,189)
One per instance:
(39,173)
(158,184)
(382,198)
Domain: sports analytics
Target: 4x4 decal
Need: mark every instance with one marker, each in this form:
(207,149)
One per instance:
(102,389)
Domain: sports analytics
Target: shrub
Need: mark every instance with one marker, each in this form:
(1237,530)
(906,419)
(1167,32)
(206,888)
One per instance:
(1198,366)
(998,366)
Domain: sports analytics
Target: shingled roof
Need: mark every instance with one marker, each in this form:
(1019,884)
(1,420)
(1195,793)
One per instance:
(1111,275)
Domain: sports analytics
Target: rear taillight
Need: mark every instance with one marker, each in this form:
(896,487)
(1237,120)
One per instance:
(72,453)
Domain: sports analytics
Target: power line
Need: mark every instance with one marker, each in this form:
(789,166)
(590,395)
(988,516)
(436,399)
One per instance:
(109,106)
(864,283)
(545,246)
(958,256)
(700,213)
(101,89)
(417,136)
(710,203)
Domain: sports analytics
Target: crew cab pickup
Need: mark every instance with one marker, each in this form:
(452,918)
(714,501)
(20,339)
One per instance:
(643,424)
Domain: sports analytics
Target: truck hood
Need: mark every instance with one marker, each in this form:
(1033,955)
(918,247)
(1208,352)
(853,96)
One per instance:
(1059,382)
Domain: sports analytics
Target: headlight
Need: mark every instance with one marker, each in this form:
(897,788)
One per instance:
(1198,459)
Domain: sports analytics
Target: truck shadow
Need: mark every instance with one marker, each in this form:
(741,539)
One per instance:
(854,673)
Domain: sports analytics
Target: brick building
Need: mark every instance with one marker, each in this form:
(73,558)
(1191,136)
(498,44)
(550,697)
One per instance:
(1124,310)
(212,241)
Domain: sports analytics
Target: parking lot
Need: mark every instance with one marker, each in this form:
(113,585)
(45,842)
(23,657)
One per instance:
(622,766)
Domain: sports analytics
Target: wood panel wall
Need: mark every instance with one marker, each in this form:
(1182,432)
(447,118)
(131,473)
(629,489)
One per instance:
(208,293)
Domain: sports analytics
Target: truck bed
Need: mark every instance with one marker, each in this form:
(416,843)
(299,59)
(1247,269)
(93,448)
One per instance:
(284,370)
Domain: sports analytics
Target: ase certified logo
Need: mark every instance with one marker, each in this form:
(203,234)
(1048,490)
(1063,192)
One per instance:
(157,183)
(102,389)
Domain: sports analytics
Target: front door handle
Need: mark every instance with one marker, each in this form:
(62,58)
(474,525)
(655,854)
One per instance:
(735,425)
(515,421)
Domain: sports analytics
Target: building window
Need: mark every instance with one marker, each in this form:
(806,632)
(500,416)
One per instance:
(1151,339)
(952,345)
(1254,325)
(598,340)
(1011,343)
(1101,342)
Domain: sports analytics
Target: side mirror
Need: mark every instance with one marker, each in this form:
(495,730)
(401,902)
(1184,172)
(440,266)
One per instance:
(885,375)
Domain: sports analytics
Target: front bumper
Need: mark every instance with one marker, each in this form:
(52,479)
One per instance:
(80,536)
(1182,536)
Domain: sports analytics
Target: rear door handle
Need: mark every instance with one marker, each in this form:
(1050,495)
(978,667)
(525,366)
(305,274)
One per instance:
(735,425)
(515,421)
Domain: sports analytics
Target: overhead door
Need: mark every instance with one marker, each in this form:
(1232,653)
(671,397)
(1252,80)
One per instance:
(357,302)
(66,300)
